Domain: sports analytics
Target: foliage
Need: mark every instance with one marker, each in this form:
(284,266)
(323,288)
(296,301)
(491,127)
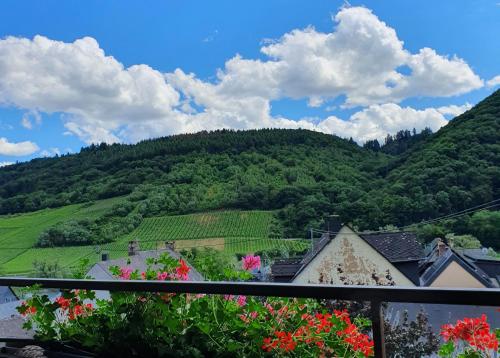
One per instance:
(463,241)
(164,324)
(80,270)
(469,338)
(18,234)
(213,265)
(410,339)
(485,225)
(304,175)
(47,269)
(120,219)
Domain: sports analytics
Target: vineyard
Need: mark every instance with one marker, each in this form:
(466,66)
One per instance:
(253,224)
(229,232)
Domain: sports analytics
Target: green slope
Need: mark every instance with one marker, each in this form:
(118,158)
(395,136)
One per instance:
(299,174)
(456,168)
(227,231)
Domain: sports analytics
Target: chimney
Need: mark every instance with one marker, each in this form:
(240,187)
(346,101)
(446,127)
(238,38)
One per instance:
(133,247)
(104,256)
(333,223)
(170,245)
(441,247)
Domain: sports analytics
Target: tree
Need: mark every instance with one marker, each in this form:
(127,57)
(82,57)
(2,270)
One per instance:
(485,225)
(47,269)
(463,241)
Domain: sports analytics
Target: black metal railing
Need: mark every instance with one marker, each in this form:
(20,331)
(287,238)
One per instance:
(376,295)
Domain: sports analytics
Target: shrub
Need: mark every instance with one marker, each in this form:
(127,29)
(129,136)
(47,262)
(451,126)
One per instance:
(186,325)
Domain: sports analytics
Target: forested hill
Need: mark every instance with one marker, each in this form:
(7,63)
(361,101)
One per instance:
(456,168)
(205,170)
(304,174)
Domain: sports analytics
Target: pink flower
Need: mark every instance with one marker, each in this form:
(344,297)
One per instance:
(251,262)
(228,297)
(125,273)
(254,314)
(162,276)
(242,300)
(143,275)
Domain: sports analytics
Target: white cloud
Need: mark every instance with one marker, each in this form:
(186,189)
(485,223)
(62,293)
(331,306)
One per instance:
(4,164)
(97,92)
(495,81)
(30,117)
(454,110)
(377,120)
(51,152)
(17,149)
(360,60)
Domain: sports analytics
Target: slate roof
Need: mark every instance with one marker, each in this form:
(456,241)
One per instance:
(7,295)
(434,264)
(100,271)
(395,246)
(478,254)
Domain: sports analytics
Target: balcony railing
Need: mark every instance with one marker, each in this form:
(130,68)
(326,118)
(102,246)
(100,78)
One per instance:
(376,295)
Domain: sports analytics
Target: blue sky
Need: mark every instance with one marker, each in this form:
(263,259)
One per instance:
(350,76)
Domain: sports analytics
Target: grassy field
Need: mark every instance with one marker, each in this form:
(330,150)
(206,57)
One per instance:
(18,234)
(226,231)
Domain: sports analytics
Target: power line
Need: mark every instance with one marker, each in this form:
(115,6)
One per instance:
(440,218)
(460,213)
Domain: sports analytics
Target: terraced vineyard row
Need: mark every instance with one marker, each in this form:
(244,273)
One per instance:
(228,232)
(206,225)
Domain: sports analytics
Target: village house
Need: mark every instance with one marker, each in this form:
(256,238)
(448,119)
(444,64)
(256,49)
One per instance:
(343,256)
(136,260)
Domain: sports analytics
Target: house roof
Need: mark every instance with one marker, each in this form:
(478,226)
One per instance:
(317,247)
(100,271)
(434,264)
(395,246)
(7,295)
(478,254)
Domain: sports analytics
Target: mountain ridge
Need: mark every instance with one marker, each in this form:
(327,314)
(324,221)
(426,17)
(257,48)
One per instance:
(301,173)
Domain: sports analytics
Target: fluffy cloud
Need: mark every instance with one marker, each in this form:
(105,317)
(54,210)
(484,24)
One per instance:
(17,149)
(377,120)
(99,95)
(454,110)
(495,81)
(362,59)
(4,164)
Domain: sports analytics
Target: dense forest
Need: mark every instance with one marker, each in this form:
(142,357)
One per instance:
(303,175)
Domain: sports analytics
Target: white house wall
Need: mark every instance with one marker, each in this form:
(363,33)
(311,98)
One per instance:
(348,259)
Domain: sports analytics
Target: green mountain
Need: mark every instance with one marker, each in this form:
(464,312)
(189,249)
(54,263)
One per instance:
(303,175)
(456,168)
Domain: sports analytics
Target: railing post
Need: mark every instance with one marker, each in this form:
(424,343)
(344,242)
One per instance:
(377,316)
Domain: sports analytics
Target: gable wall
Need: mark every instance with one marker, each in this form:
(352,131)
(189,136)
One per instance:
(356,260)
(455,276)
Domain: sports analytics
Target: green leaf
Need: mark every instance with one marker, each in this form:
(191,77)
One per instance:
(447,349)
